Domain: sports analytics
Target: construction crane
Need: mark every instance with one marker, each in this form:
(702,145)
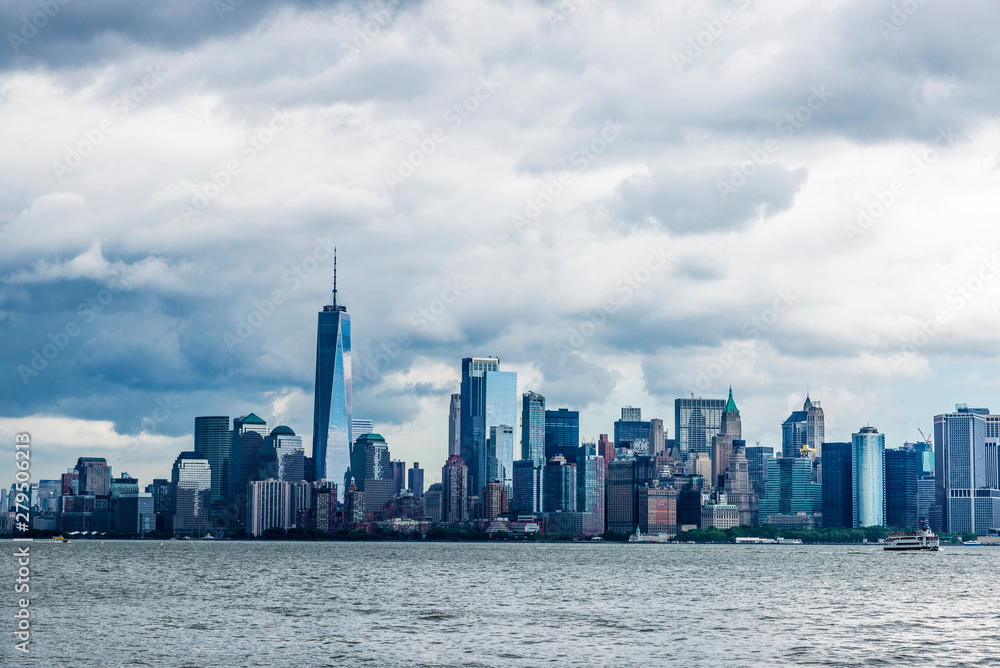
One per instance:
(924,436)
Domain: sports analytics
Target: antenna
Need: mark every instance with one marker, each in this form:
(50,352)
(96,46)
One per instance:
(334,276)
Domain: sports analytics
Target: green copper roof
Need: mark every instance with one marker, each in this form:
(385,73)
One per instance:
(253,419)
(370,437)
(731,405)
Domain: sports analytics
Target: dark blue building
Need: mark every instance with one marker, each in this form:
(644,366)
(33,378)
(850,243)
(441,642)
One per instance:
(902,468)
(838,505)
(562,434)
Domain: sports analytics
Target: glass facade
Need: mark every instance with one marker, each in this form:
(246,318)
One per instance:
(562,434)
(527,496)
(591,475)
(966,471)
(868,475)
(837,484)
(901,496)
(696,421)
(757,456)
(627,432)
(533,428)
(191,484)
(213,440)
(333,428)
(501,457)
(789,489)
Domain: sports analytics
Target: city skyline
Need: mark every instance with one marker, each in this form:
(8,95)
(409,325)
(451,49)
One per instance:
(667,261)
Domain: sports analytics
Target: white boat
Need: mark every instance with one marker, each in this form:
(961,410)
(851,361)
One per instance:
(639,537)
(971,542)
(912,540)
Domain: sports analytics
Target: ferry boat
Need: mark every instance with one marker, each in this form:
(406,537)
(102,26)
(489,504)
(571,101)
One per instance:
(639,537)
(912,540)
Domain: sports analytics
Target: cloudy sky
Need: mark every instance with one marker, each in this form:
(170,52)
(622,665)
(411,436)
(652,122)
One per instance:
(626,202)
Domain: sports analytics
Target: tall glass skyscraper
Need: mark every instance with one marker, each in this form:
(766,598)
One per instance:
(533,428)
(501,457)
(562,434)
(454,425)
(696,421)
(966,471)
(191,483)
(489,399)
(868,477)
(333,431)
(838,484)
(213,441)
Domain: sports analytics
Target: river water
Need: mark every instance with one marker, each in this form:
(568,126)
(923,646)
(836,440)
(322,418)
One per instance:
(201,603)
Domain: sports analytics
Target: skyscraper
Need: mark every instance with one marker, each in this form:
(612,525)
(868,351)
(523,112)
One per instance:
(803,428)
(739,489)
(455,490)
(500,455)
(722,444)
(838,481)
(333,430)
(213,440)
(94,476)
(533,428)
(560,486)
(901,497)
(657,437)
(361,426)
(965,470)
(455,425)
(605,448)
(757,456)
(489,399)
(621,500)
(562,434)
(789,489)
(415,479)
(696,421)
(630,414)
(631,431)
(191,489)
(868,477)
(527,494)
(282,456)
(591,486)
(244,467)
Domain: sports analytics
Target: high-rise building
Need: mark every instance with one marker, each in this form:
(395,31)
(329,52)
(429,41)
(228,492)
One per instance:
(397,470)
(213,440)
(432,502)
(49,492)
(562,434)
(591,488)
(633,434)
(134,513)
(245,466)
(559,488)
(277,504)
(455,425)
(415,479)
(527,492)
(696,421)
(489,399)
(803,429)
(657,437)
(901,495)
(605,448)
(370,460)
(94,476)
(966,472)
(790,489)
(533,428)
(757,456)
(354,504)
(500,456)
(494,500)
(361,426)
(191,493)
(657,508)
(455,490)
(838,485)
(621,500)
(868,477)
(739,489)
(333,429)
(282,457)
(722,443)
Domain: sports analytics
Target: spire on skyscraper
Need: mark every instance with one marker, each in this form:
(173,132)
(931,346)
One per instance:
(730,404)
(334,299)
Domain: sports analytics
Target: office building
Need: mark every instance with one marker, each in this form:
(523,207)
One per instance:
(333,428)
(370,460)
(720,516)
(657,509)
(790,489)
(559,487)
(621,499)
(213,440)
(191,493)
(397,470)
(269,506)
(630,414)
(49,492)
(657,437)
(282,456)
(494,500)
(696,422)
(691,495)
(591,488)
(868,477)
(838,485)
(94,476)
(134,513)
(631,432)
(361,426)
(966,472)
(739,490)
(415,480)
(527,492)
(533,428)
(757,456)
(354,504)
(454,425)
(248,434)
(432,501)
(730,430)
(804,429)
(455,490)
(901,495)
(489,399)
(605,448)
(500,456)
(562,434)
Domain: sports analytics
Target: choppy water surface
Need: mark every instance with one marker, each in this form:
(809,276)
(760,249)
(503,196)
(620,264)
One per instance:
(189,603)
